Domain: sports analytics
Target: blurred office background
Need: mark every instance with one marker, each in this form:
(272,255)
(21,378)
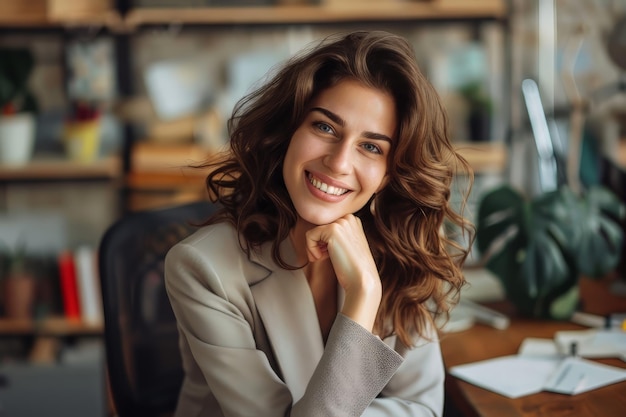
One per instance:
(122,96)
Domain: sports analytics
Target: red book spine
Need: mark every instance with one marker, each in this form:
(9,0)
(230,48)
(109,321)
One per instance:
(69,288)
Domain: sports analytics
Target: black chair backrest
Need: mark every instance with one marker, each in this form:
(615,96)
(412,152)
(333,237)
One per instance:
(141,338)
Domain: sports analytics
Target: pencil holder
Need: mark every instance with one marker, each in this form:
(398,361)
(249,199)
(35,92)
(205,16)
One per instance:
(82,140)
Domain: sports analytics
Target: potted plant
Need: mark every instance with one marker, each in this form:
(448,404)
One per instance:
(18,282)
(17,106)
(480,108)
(540,246)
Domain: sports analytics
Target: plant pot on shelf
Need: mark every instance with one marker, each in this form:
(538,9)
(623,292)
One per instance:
(479,126)
(17,138)
(19,295)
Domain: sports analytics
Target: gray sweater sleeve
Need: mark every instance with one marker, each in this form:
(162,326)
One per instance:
(354,369)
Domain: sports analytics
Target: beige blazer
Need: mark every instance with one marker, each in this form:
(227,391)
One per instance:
(251,343)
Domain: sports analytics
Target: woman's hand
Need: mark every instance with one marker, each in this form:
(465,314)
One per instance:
(344,242)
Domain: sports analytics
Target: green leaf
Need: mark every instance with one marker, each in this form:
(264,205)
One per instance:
(564,305)
(16,66)
(499,210)
(602,235)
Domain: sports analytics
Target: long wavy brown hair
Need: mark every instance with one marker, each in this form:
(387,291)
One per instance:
(419,264)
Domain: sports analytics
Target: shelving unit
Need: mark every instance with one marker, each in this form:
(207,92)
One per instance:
(171,178)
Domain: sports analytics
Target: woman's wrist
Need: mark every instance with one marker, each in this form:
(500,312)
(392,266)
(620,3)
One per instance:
(362,306)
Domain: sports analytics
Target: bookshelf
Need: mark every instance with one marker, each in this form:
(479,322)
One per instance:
(124,19)
(50,326)
(162,179)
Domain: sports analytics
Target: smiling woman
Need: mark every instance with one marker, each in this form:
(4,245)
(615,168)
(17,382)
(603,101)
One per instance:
(313,290)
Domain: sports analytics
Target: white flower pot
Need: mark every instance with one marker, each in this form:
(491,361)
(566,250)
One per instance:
(17,138)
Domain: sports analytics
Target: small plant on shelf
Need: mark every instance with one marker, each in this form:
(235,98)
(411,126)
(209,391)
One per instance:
(480,109)
(17,106)
(18,281)
(16,67)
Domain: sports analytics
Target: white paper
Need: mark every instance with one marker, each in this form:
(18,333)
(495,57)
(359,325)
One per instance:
(512,376)
(539,366)
(532,346)
(576,375)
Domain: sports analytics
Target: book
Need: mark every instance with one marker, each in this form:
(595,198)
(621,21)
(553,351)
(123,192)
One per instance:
(88,285)
(68,284)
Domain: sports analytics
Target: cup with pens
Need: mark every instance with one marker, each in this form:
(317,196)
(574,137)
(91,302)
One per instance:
(81,134)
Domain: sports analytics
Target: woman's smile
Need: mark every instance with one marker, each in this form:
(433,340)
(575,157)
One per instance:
(324,187)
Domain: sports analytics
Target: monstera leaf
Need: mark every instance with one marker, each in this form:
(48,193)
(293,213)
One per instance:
(539,248)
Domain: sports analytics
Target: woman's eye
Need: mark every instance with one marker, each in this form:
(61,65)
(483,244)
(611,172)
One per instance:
(370,147)
(324,127)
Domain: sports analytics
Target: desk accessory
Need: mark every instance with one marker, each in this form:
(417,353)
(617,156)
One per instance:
(611,321)
(616,321)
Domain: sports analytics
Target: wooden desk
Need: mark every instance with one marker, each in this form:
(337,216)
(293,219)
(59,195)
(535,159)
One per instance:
(481,342)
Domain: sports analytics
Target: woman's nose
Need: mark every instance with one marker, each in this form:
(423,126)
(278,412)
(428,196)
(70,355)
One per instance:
(339,158)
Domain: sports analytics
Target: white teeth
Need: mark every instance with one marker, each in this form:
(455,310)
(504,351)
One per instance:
(328,189)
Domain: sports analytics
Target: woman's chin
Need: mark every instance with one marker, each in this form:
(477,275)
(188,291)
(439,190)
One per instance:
(320,220)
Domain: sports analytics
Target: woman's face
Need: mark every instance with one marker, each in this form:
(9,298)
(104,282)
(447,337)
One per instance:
(337,158)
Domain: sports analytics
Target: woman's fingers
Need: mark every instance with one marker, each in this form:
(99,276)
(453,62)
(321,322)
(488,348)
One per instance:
(316,250)
(345,243)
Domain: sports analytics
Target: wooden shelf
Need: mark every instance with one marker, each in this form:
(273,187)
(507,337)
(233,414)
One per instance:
(110,19)
(484,157)
(55,169)
(350,12)
(52,326)
(391,10)
(163,180)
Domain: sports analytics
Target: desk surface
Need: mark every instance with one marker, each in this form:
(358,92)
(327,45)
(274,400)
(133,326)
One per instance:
(482,342)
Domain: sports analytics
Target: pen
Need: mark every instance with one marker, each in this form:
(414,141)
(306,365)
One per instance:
(615,321)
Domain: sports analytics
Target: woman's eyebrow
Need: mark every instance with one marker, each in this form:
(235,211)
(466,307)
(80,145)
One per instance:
(332,116)
(337,119)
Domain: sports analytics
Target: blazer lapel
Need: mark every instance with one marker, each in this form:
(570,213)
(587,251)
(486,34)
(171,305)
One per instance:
(286,307)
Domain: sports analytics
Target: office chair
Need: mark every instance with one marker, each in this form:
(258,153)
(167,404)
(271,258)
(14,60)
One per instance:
(140,334)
